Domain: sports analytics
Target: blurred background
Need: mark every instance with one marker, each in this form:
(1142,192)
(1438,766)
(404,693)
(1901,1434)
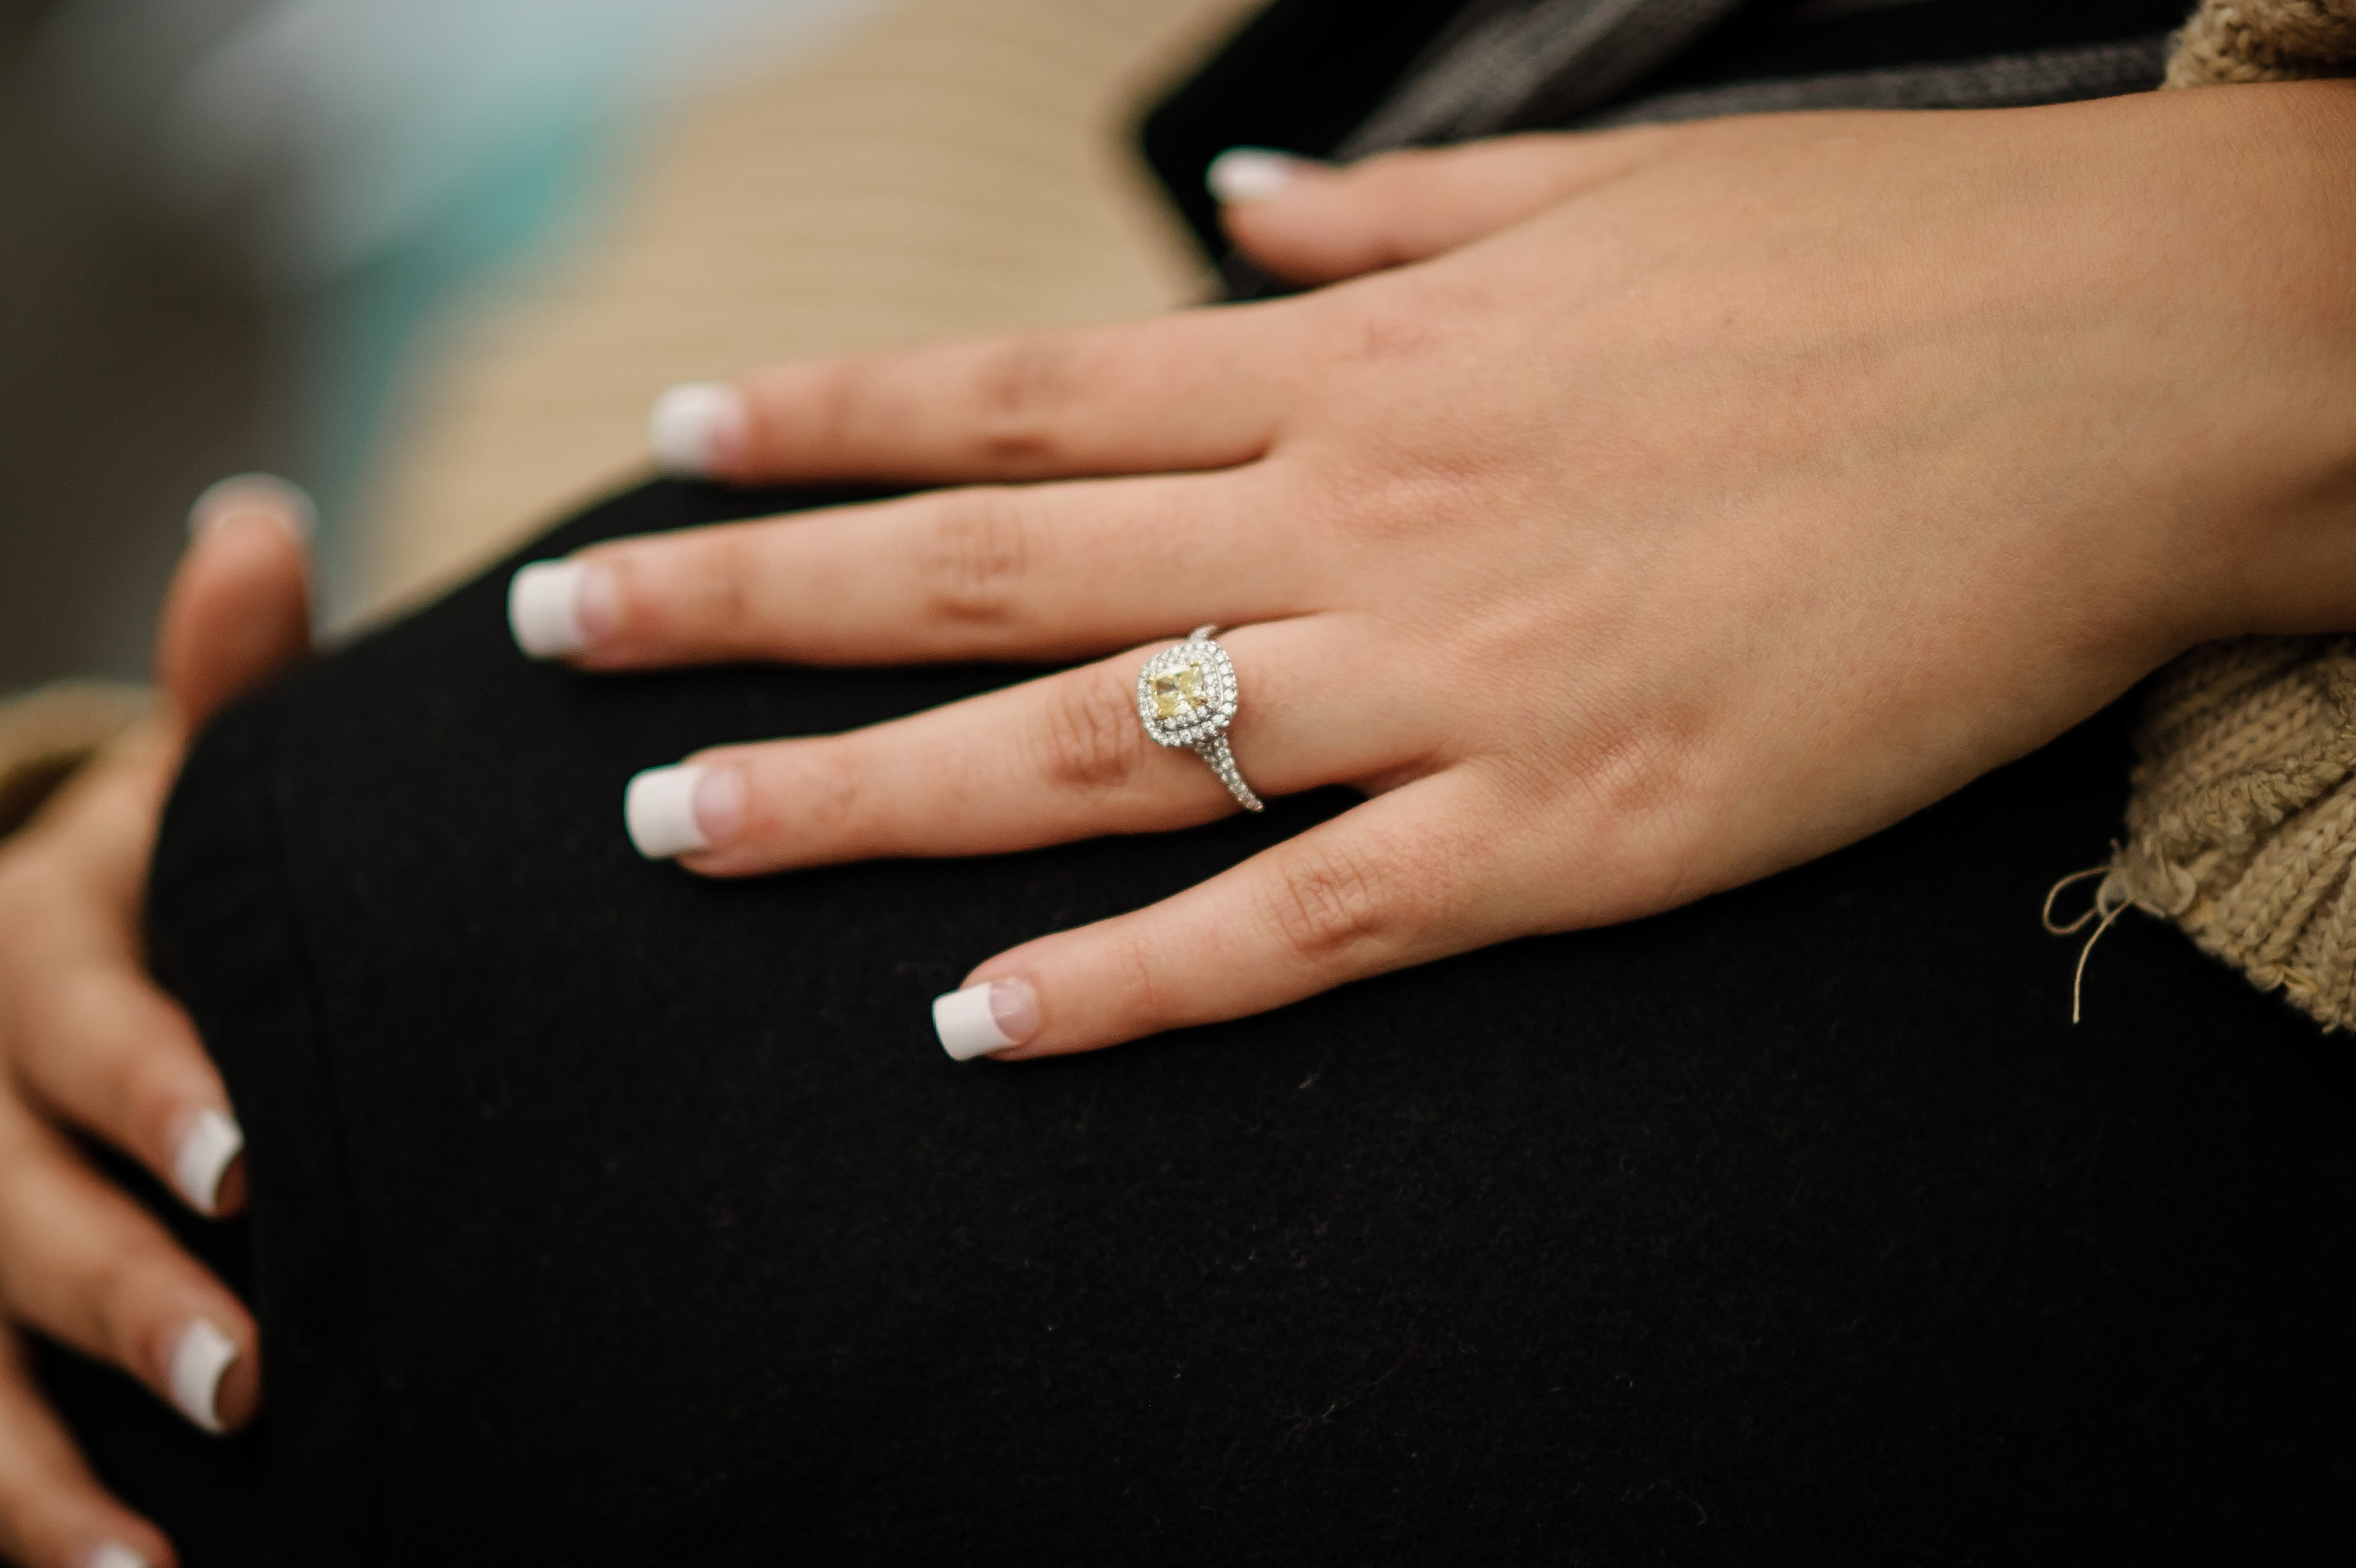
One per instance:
(432,258)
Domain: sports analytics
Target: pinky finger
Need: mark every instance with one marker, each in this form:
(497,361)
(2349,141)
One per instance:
(1395,882)
(53,1513)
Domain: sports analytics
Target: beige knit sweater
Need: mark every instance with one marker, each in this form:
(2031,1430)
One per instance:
(2242,828)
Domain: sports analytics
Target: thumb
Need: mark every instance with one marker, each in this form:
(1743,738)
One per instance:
(238,610)
(1311,222)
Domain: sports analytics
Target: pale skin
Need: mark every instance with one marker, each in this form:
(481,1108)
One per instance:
(1648,512)
(91,1046)
(1654,510)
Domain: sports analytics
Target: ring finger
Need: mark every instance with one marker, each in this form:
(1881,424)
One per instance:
(1062,757)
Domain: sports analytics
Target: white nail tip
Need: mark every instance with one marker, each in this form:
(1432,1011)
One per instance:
(693,423)
(207,1147)
(203,1354)
(967,1025)
(544,608)
(660,810)
(1247,174)
(115,1554)
(281,500)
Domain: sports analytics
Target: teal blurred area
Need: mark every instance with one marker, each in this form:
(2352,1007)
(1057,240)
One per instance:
(223,223)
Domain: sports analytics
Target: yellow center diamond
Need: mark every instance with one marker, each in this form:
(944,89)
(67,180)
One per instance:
(1179,693)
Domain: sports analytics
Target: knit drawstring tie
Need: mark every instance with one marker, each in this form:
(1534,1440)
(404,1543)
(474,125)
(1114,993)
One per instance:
(2111,901)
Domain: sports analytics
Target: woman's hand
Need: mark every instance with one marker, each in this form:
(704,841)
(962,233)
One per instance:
(90,1047)
(1680,504)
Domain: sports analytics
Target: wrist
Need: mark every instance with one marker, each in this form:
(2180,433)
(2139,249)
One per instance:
(2277,543)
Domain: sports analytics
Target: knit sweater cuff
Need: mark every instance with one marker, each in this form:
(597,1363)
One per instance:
(2264,41)
(2242,828)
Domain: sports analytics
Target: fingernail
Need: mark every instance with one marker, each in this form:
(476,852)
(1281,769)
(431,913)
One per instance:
(203,1354)
(280,500)
(115,1554)
(680,810)
(1253,173)
(210,1142)
(699,429)
(559,607)
(986,1017)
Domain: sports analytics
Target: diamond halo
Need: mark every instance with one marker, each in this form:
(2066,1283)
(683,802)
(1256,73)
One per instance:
(1186,697)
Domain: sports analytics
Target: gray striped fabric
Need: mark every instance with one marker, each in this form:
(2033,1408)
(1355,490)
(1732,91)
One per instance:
(1999,81)
(1501,57)
(1506,61)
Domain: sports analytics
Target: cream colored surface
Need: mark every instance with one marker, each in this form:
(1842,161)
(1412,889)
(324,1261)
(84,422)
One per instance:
(46,733)
(959,167)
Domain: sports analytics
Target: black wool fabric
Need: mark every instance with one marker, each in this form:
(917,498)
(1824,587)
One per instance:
(602,1214)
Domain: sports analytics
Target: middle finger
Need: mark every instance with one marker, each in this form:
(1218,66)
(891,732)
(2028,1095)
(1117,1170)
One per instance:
(1032,572)
(84,1264)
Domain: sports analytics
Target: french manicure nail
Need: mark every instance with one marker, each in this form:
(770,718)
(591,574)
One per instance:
(680,810)
(1253,173)
(559,607)
(208,1143)
(986,1017)
(115,1554)
(202,1354)
(280,501)
(698,429)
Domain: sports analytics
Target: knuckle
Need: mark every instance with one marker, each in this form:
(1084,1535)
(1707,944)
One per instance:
(1393,184)
(1638,769)
(833,401)
(151,1093)
(824,793)
(1147,1004)
(722,601)
(1090,737)
(976,557)
(97,1043)
(56,1014)
(1341,904)
(690,590)
(1386,331)
(1642,790)
(1022,391)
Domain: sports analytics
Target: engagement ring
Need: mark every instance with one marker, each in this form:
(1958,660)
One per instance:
(1187,695)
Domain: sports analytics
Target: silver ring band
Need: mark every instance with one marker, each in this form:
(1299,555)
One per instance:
(1186,697)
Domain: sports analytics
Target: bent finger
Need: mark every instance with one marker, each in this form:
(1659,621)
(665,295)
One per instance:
(109,1052)
(85,1265)
(239,610)
(1400,880)
(1193,390)
(1065,757)
(1029,572)
(53,1512)
(1314,223)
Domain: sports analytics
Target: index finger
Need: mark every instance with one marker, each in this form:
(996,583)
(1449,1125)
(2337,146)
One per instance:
(88,1034)
(1192,391)
(107,1051)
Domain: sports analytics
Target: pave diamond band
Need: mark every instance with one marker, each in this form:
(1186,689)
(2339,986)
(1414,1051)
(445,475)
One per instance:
(1186,697)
